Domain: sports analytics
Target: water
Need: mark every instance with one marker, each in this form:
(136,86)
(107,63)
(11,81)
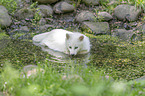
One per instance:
(60,57)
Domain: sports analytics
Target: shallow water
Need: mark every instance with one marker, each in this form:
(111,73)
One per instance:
(22,53)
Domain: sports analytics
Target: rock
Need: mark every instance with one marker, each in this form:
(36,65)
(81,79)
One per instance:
(63,7)
(42,21)
(2,94)
(31,70)
(85,16)
(128,12)
(128,35)
(45,27)
(29,67)
(24,28)
(5,19)
(22,32)
(105,16)
(45,10)
(123,34)
(22,3)
(91,2)
(24,13)
(46,1)
(97,27)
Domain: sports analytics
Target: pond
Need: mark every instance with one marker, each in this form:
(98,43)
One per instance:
(119,59)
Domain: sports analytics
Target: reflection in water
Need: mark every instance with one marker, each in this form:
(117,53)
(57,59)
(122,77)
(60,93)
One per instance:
(64,58)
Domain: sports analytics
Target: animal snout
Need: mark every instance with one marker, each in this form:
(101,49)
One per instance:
(72,54)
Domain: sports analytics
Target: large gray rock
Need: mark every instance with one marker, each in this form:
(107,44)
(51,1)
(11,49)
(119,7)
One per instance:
(105,16)
(128,35)
(45,10)
(63,7)
(5,19)
(123,34)
(91,2)
(85,16)
(128,12)
(24,13)
(46,1)
(97,27)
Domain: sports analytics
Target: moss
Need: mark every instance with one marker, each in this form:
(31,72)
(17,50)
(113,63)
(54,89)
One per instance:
(21,53)
(3,35)
(120,59)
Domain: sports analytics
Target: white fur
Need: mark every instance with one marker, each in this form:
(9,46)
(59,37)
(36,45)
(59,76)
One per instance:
(57,40)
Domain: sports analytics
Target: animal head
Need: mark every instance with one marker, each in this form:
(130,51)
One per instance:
(74,43)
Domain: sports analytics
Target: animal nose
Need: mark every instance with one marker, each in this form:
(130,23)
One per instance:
(72,54)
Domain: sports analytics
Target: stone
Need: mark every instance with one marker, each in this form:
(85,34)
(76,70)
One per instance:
(29,67)
(31,70)
(24,13)
(91,2)
(45,10)
(46,1)
(5,19)
(97,27)
(128,35)
(21,32)
(42,21)
(85,16)
(24,28)
(128,12)
(105,16)
(45,27)
(63,7)
(123,34)
(2,94)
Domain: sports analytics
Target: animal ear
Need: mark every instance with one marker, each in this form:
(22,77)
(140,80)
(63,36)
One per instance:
(81,38)
(67,36)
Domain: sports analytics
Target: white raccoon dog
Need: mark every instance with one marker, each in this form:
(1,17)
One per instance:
(71,43)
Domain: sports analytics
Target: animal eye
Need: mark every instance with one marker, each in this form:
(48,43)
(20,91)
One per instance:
(76,47)
(70,47)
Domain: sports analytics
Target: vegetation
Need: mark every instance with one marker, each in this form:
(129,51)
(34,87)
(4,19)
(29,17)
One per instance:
(73,80)
(111,67)
(111,71)
(11,5)
(109,6)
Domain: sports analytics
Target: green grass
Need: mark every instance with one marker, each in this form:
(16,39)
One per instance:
(118,60)
(72,81)
(121,61)
(11,5)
